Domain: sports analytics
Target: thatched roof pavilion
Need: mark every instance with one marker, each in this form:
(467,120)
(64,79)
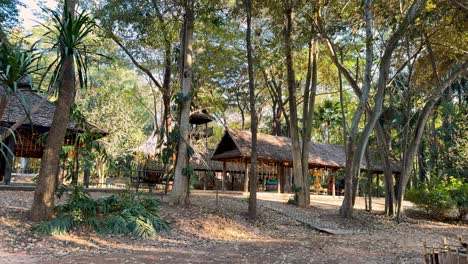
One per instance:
(274,158)
(28,143)
(28,140)
(236,144)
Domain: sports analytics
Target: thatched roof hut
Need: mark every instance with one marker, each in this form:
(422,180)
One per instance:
(236,144)
(20,103)
(200,117)
(28,136)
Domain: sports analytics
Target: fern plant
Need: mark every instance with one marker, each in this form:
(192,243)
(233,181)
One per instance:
(127,213)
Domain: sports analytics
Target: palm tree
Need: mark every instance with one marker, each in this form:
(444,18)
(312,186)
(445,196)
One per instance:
(328,116)
(69,34)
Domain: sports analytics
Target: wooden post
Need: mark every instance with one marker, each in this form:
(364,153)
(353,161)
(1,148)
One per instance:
(317,185)
(377,186)
(10,143)
(279,177)
(333,184)
(206,138)
(246,177)
(223,179)
(286,179)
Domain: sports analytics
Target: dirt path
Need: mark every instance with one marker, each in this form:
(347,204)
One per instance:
(218,232)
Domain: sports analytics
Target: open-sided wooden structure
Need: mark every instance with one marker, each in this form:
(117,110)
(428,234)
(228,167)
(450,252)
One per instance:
(274,155)
(151,170)
(29,139)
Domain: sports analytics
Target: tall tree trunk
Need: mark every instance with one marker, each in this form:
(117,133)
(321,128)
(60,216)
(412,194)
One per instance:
(167,117)
(43,204)
(343,116)
(384,144)
(384,66)
(309,105)
(76,164)
(181,178)
(299,185)
(409,155)
(253,117)
(352,169)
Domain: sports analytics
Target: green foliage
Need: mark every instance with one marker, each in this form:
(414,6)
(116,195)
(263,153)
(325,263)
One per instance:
(460,198)
(15,64)
(441,198)
(69,37)
(295,199)
(188,171)
(127,213)
(180,98)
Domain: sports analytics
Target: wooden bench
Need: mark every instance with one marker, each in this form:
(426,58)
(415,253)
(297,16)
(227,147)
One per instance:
(446,254)
(150,172)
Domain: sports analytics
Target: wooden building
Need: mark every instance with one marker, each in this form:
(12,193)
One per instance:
(29,139)
(274,158)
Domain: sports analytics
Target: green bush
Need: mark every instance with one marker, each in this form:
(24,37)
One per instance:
(442,198)
(125,213)
(460,197)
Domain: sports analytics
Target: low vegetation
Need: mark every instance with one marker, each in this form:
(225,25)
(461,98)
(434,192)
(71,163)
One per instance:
(128,213)
(442,199)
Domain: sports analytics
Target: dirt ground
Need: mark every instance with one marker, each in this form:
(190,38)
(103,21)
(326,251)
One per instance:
(214,230)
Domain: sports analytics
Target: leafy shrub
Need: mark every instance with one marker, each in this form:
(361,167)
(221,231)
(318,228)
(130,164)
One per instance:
(436,202)
(460,197)
(125,213)
(439,199)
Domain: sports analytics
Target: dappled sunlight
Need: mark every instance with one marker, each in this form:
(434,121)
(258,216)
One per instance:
(77,240)
(144,246)
(8,222)
(217,228)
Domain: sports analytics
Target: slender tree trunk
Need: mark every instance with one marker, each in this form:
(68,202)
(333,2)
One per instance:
(253,117)
(181,179)
(293,119)
(369,183)
(352,170)
(167,117)
(75,168)
(3,104)
(388,173)
(381,85)
(409,155)
(343,116)
(43,204)
(308,117)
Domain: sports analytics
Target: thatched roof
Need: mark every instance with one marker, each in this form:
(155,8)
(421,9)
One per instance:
(237,144)
(200,117)
(201,161)
(24,100)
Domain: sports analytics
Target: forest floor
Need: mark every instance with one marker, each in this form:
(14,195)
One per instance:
(216,230)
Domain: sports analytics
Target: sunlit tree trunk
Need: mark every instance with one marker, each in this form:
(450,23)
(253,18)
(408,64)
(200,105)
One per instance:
(351,169)
(299,185)
(43,204)
(253,117)
(309,104)
(181,177)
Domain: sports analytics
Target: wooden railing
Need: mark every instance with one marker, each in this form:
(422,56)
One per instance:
(446,254)
(198,133)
